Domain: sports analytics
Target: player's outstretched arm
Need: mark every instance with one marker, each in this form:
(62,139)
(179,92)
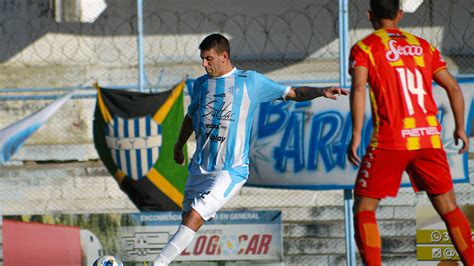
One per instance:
(306,93)
(357,104)
(456,100)
(184,134)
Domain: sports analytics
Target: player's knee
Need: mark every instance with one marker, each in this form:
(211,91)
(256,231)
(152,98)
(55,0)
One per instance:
(362,208)
(365,204)
(193,220)
(444,203)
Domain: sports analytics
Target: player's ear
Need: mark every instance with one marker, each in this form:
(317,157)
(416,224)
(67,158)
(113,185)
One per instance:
(370,15)
(225,55)
(399,15)
(373,19)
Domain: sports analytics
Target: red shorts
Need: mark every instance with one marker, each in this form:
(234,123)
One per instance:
(381,172)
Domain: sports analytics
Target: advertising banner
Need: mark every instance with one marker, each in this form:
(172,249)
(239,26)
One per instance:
(139,237)
(433,243)
(303,144)
(231,235)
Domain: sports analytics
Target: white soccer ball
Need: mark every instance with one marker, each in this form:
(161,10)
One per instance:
(107,260)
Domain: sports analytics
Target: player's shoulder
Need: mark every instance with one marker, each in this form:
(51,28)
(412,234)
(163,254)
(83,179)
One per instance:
(200,80)
(420,40)
(248,75)
(242,73)
(367,41)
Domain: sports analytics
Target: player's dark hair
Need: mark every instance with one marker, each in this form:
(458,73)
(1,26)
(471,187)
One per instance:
(217,42)
(385,9)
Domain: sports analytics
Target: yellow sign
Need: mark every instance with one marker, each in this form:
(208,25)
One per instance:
(433,243)
(436,253)
(432,237)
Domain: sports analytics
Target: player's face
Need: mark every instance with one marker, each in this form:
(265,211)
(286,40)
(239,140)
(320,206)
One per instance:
(214,63)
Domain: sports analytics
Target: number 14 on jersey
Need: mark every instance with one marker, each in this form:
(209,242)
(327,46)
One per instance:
(412,84)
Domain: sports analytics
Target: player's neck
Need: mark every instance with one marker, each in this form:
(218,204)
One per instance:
(225,71)
(229,68)
(385,24)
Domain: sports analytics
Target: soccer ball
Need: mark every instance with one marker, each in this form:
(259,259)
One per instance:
(107,260)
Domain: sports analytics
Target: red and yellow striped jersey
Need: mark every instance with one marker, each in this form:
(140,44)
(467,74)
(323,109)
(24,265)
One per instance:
(400,71)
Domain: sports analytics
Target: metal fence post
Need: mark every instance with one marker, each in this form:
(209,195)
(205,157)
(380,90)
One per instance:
(343,81)
(141,68)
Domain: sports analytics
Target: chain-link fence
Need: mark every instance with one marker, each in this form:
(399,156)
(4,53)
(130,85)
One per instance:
(289,41)
(58,168)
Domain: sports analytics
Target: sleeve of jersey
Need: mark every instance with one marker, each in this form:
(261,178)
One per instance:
(194,100)
(267,90)
(438,62)
(358,57)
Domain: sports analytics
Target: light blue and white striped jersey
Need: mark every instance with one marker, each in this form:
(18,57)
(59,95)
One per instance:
(222,110)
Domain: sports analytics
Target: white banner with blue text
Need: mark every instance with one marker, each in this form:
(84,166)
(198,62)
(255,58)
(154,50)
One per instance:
(302,145)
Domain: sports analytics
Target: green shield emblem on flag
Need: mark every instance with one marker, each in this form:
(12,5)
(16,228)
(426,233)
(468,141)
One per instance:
(134,134)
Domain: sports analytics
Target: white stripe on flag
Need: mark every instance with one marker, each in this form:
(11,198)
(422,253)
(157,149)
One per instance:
(123,161)
(131,128)
(144,163)
(120,128)
(114,157)
(111,128)
(154,154)
(143,154)
(133,165)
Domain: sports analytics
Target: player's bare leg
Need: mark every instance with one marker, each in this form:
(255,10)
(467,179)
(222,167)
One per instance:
(192,221)
(366,230)
(457,224)
(365,204)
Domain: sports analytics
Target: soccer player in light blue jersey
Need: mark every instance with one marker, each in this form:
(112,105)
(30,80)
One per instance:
(221,112)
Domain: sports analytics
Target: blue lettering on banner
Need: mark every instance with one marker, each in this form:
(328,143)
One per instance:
(271,118)
(340,147)
(324,129)
(292,144)
(329,136)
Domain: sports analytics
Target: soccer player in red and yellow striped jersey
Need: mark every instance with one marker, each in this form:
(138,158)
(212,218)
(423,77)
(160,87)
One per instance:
(399,68)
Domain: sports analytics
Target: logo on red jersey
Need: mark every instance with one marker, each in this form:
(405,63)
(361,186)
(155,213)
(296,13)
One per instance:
(397,50)
(420,131)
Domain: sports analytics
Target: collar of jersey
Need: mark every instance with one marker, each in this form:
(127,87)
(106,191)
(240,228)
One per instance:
(227,74)
(387,29)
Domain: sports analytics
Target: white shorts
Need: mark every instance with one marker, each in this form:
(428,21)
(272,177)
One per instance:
(206,193)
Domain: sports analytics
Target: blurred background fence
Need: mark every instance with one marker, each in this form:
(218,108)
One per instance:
(48,48)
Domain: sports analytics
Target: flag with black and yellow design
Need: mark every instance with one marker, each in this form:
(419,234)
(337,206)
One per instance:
(134,134)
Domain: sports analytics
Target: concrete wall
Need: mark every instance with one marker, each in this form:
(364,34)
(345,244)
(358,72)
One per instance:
(284,29)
